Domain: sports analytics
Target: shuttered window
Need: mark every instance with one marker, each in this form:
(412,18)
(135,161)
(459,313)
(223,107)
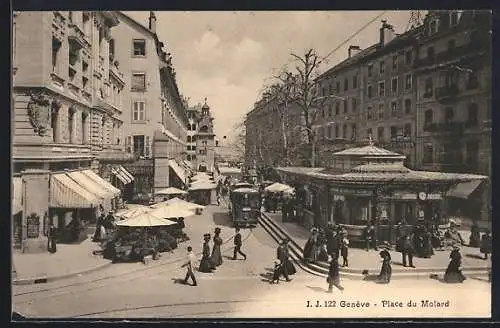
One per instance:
(139,112)
(138,82)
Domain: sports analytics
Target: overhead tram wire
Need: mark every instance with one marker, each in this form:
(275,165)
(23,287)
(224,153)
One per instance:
(352,36)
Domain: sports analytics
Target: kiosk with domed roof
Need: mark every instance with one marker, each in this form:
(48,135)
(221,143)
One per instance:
(370,184)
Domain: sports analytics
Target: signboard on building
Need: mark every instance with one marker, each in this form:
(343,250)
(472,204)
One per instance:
(352,191)
(404,196)
(33,226)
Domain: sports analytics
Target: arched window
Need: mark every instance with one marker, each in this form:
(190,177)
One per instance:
(188,138)
(54,122)
(71,121)
(204,128)
(84,128)
(188,157)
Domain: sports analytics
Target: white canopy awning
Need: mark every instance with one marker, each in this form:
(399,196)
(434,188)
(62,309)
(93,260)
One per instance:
(171,211)
(131,212)
(145,220)
(279,187)
(464,189)
(170,191)
(66,193)
(108,186)
(179,202)
(181,173)
(90,185)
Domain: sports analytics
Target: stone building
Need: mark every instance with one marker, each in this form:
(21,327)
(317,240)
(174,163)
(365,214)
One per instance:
(58,130)
(205,141)
(154,116)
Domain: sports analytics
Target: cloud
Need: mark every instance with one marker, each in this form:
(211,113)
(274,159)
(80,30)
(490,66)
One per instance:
(207,47)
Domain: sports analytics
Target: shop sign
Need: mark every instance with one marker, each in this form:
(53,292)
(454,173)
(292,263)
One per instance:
(424,196)
(358,192)
(33,226)
(338,197)
(401,195)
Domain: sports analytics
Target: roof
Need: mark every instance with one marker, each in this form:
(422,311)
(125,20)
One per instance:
(380,168)
(246,190)
(369,150)
(348,61)
(300,170)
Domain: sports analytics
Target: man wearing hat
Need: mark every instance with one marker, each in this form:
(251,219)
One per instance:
(282,255)
(407,250)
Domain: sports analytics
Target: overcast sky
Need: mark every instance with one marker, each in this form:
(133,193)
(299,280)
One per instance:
(228,56)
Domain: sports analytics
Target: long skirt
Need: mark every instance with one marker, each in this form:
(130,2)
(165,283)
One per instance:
(453,273)
(205,265)
(290,268)
(216,256)
(310,252)
(385,273)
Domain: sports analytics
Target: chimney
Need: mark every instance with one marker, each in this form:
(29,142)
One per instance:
(152,22)
(386,33)
(353,51)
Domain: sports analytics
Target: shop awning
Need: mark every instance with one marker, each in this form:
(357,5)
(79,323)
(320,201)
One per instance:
(90,185)
(464,189)
(120,175)
(66,193)
(17,195)
(108,186)
(179,171)
(126,173)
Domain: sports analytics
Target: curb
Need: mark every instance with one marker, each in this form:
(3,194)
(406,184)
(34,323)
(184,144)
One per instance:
(45,279)
(321,269)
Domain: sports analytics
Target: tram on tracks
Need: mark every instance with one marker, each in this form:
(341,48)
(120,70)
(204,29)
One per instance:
(244,206)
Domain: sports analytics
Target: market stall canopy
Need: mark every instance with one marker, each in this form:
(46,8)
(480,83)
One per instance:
(203,185)
(464,190)
(279,187)
(108,186)
(91,185)
(145,220)
(179,171)
(185,204)
(171,191)
(171,211)
(66,193)
(17,195)
(131,212)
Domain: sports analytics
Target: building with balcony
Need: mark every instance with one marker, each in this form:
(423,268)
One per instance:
(154,116)
(56,125)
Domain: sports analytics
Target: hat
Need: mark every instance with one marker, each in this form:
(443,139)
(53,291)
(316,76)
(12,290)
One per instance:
(207,235)
(284,241)
(456,247)
(277,262)
(217,230)
(385,246)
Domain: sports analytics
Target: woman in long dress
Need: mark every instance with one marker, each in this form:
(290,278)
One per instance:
(205,264)
(216,253)
(453,273)
(311,247)
(386,270)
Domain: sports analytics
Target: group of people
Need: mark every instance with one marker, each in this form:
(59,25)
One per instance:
(211,260)
(323,243)
(105,224)
(282,264)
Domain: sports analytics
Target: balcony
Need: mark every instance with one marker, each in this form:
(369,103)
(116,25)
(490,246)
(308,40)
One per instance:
(77,37)
(445,127)
(114,71)
(447,93)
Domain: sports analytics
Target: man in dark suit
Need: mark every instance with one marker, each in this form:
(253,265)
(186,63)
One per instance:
(237,245)
(283,256)
(408,250)
(369,236)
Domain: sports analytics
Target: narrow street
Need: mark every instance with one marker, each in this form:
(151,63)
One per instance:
(237,288)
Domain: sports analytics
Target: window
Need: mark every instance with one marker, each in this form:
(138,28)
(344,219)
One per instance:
(323,112)
(369,113)
(71,121)
(330,110)
(408,81)
(370,91)
(428,117)
(336,131)
(188,139)
(381,89)
(395,62)
(188,157)
(56,45)
(380,133)
(346,109)
(344,131)
(193,147)
(382,67)
(329,132)
(103,130)
(138,82)
(346,84)
(428,87)
(337,108)
(472,81)
(203,152)
(472,119)
(428,154)
(381,111)
(369,132)
(354,105)
(354,81)
(408,57)
(370,70)
(353,130)
(451,46)
(70,16)
(139,47)
(337,87)
(453,18)
(407,130)
(394,108)
(139,145)
(394,85)
(54,123)
(84,128)
(448,116)
(407,106)
(430,54)
(323,92)
(139,112)
(394,131)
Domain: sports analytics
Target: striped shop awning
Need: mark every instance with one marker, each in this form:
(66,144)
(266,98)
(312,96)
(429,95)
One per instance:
(108,186)
(90,185)
(126,173)
(17,195)
(120,175)
(66,193)
(179,171)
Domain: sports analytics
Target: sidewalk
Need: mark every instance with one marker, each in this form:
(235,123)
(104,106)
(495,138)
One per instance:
(67,261)
(360,259)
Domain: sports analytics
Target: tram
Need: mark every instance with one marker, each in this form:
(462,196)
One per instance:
(244,207)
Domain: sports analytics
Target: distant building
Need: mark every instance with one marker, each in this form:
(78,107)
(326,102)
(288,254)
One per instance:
(205,141)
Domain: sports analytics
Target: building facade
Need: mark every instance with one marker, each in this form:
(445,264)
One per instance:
(153,113)
(205,141)
(58,130)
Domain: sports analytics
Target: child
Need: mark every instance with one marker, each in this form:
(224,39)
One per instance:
(344,251)
(276,272)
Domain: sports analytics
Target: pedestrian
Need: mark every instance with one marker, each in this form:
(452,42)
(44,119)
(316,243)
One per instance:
(475,235)
(486,244)
(276,272)
(205,263)
(216,252)
(237,245)
(282,255)
(344,251)
(311,247)
(453,272)
(218,199)
(369,236)
(407,250)
(190,263)
(333,278)
(386,270)
(51,239)
(99,233)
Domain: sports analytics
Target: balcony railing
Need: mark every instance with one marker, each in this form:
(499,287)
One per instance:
(446,93)
(454,127)
(77,37)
